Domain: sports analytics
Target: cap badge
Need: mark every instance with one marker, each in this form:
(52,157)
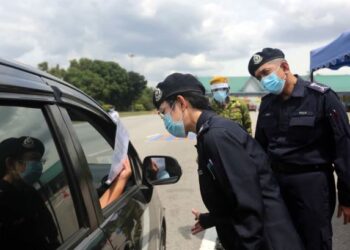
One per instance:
(28,142)
(257,59)
(158,94)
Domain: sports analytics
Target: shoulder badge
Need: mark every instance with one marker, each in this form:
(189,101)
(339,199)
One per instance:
(318,87)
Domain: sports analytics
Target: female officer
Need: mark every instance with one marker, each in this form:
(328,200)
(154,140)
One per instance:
(236,183)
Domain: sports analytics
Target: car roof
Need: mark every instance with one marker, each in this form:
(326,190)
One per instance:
(15,76)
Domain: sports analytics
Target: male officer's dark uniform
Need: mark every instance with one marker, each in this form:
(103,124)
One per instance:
(305,136)
(236,183)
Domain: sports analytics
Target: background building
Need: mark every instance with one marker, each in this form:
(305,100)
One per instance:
(250,89)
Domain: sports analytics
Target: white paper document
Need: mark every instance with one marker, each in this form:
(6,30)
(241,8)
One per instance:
(120,151)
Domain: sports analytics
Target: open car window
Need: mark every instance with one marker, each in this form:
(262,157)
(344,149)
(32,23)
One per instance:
(97,143)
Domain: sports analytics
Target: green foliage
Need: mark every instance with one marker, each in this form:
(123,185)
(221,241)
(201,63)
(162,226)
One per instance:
(56,71)
(44,66)
(146,99)
(106,107)
(139,107)
(107,82)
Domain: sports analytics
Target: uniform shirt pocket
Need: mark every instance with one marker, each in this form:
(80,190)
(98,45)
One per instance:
(308,121)
(301,128)
(268,123)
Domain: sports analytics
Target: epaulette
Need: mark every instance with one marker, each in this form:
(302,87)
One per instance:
(318,87)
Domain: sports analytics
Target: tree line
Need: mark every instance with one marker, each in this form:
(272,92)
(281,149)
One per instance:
(107,82)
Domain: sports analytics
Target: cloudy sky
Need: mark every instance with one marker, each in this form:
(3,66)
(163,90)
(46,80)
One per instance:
(197,36)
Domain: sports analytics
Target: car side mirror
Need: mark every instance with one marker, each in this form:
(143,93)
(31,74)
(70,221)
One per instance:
(160,170)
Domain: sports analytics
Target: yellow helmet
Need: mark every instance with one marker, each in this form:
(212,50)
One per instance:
(218,79)
(219,82)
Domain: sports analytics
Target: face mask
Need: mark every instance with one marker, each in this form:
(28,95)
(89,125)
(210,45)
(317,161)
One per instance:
(220,96)
(32,172)
(177,129)
(273,84)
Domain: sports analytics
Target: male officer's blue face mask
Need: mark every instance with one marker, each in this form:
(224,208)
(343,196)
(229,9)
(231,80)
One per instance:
(220,96)
(273,83)
(32,172)
(176,128)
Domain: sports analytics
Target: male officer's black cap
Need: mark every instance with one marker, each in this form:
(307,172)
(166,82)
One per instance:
(262,57)
(176,84)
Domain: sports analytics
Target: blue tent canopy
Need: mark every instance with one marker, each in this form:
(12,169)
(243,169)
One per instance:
(333,56)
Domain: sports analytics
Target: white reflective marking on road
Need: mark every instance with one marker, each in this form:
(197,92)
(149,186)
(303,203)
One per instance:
(148,136)
(209,239)
(99,152)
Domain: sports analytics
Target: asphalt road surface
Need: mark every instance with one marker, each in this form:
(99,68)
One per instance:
(149,137)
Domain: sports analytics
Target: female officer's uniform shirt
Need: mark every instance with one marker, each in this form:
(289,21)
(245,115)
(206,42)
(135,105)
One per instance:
(238,189)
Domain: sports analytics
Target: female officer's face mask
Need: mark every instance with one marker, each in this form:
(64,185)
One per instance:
(273,83)
(220,96)
(32,172)
(176,128)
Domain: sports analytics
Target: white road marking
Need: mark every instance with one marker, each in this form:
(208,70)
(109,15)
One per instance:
(148,136)
(209,239)
(99,152)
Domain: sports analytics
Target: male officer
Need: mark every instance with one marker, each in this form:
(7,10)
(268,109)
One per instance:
(236,182)
(305,130)
(229,107)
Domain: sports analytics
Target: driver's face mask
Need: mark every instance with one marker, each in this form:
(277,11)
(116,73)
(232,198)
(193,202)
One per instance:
(32,172)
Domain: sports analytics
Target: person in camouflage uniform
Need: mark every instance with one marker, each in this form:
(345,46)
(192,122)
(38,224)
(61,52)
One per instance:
(229,107)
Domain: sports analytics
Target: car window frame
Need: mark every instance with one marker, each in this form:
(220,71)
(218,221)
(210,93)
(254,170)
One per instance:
(53,118)
(106,125)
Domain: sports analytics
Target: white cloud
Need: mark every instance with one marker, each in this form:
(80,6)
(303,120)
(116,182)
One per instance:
(199,36)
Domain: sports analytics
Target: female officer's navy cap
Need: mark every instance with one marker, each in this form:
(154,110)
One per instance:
(262,57)
(176,84)
(16,147)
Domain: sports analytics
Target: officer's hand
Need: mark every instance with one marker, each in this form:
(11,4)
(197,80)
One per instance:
(196,228)
(196,213)
(346,212)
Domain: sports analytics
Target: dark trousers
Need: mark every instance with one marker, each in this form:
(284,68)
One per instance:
(310,198)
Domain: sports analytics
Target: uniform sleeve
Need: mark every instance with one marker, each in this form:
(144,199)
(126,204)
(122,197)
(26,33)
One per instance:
(339,122)
(247,123)
(207,220)
(238,176)
(260,134)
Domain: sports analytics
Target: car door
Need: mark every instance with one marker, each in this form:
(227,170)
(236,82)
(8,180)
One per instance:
(56,185)
(133,220)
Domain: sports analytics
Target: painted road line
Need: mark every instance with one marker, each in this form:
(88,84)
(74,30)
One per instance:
(99,152)
(169,137)
(209,239)
(149,136)
(156,138)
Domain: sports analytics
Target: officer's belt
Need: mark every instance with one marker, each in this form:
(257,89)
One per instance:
(296,168)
